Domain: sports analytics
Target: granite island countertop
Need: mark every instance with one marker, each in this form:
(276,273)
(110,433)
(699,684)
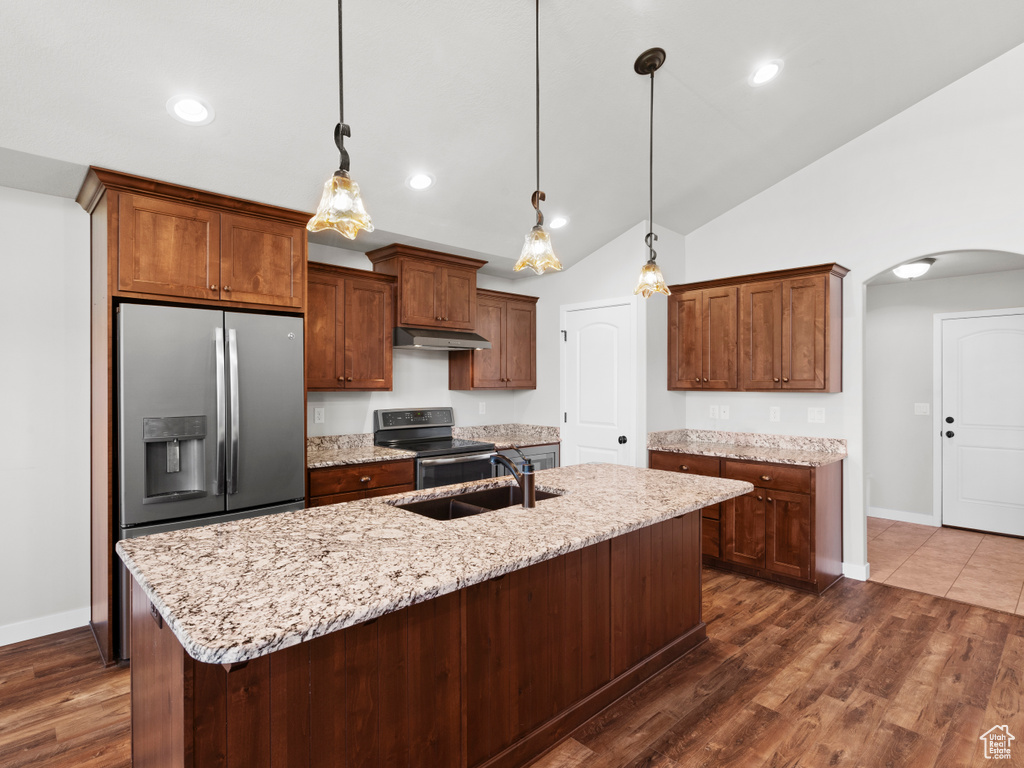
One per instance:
(235,591)
(750,446)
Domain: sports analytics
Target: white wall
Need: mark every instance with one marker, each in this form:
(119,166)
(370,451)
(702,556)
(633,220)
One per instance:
(44,409)
(899,352)
(420,376)
(946,174)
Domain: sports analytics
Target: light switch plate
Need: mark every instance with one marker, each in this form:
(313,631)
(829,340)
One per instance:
(774,413)
(483,407)
(816,415)
(713,411)
(318,415)
(723,411)
(922,409)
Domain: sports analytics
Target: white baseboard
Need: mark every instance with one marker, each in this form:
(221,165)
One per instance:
(44,625)
(858,572)
(920,518)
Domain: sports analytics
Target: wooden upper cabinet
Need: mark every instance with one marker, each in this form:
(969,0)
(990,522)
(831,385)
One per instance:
(168,248)
(435,290)
(348,329)
(186,244)
(702,339)
(786,332)
(509,322)
(262,262)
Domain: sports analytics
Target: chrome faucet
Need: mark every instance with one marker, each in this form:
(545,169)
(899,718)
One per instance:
(524,478)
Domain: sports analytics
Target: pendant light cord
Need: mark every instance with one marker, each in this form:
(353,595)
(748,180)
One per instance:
(651,237)
(342,130)
(537,70)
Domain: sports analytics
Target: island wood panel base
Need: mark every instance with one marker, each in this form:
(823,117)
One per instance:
(491,675)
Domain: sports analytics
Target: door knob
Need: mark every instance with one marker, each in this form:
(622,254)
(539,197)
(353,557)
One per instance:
(949,419)
(949,433)
(622,439)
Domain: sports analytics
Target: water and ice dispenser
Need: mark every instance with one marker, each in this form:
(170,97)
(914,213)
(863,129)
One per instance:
(175,459)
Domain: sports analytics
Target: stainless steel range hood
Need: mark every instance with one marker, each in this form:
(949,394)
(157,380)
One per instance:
(429,338)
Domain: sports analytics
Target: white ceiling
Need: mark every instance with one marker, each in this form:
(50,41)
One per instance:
(446,86)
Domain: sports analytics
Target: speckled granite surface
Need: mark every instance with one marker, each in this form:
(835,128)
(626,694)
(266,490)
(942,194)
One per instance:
(506,435)
(339,450)
(778,449)
(238,590)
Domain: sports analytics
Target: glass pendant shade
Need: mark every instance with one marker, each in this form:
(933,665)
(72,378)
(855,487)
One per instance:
(537,253)
(651,281)
(341,208)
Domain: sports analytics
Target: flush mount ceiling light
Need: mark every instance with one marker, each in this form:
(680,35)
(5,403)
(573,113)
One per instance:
(913,269)
(537,252)
(651,280)
(558,222)
(341,207)
(765,73)
(190,110)
(420,181)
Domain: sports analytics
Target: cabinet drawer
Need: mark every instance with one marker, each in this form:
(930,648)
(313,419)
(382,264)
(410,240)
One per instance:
(714,512)
(710,537)
(356,477)
(781,477)
(684,462)
(338,498)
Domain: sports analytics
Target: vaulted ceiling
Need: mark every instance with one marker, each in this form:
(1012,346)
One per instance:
(446,87)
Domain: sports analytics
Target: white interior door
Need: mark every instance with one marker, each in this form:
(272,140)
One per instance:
(983,423)
(599,385)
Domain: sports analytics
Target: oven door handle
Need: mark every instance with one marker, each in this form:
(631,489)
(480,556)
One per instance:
(455,459)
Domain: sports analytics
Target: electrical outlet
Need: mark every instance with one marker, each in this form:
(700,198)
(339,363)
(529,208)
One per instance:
(816,415)
(318,415)
(723,411)
(774,413)
(713,411)
(483,407)
(922,409)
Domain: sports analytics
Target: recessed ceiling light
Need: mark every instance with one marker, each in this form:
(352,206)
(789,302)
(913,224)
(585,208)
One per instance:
(558,222)
(420,181)
(766,72)
(190,110)
(913,269)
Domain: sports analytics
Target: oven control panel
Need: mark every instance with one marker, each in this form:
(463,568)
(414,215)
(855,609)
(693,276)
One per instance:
(399,418)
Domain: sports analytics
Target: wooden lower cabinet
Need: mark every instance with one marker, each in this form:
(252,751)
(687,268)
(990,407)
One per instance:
(490,675)
(333,485)
(788,529)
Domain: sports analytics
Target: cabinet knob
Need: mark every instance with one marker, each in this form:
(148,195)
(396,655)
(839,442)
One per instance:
(439,318)
(365,479)
(349,379)
(683,468)
(766,477)
(227,287)
(784,378)
(776,379)
(705,379)
(769,498)
(759,498)
(446,319)
(697,379)
(213,287)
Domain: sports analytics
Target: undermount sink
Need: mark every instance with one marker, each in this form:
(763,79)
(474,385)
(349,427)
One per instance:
(471,503)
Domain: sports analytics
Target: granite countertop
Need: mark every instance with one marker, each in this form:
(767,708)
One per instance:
(504,436)
(777,449)
(238,590)
(341,450)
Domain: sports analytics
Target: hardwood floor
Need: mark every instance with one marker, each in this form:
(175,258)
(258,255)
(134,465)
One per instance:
(866,675)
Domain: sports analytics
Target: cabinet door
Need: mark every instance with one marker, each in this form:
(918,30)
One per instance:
(367,335)
(168,248)
(325,333)
(685,331)
(458,298)
(520,345)
(803,333)
(743,532)
(262,261)
(420,293)
(788,533)
(761,335)
(719,338)
(488,365)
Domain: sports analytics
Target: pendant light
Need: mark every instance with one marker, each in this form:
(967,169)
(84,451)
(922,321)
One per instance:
(537,253)
(651,280)
(341,207)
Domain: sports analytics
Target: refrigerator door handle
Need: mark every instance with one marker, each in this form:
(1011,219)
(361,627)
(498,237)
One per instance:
(218,475)
(233,396)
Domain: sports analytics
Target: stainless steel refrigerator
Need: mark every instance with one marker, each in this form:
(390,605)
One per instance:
(211,419)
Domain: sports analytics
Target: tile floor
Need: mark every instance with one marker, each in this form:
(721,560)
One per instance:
(976,568)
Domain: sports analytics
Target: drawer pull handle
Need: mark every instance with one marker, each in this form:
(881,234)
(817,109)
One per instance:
(684,468)
(766,478)
(364,479)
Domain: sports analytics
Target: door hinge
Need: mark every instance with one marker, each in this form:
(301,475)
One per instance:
(565,335)
(565,417)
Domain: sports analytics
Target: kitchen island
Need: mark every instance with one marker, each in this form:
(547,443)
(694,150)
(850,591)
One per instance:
(363,634)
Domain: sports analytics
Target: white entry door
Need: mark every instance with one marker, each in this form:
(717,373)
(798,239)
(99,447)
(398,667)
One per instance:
(599,380)
(983,423)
